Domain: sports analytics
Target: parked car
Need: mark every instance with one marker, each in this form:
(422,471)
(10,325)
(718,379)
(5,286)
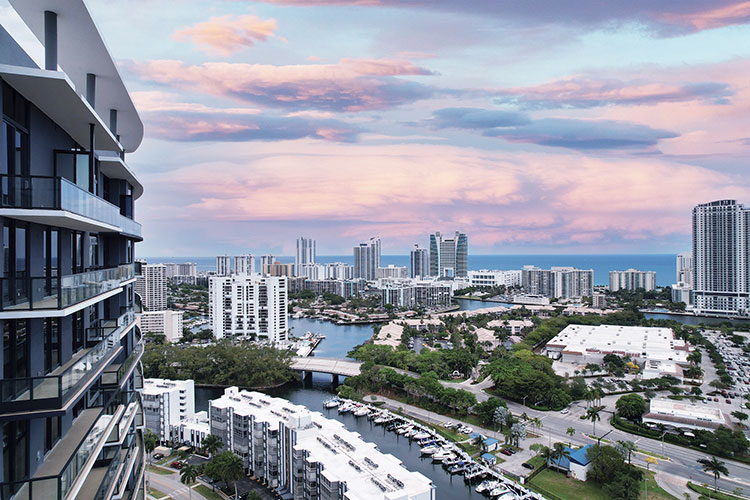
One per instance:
(564,411)
(177,464)
(727,402)
(505,451)
(528,465)
(158,456)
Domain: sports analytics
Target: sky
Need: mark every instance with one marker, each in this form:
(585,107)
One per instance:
(534,127)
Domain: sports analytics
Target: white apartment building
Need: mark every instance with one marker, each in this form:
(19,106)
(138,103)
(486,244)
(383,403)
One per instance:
(303,455)
(419,262)
(632,279)
(367,259)
(684,268)
(167,323)
(192,431)
(392,271)
(408,295)
(492,278)
(311,271)
(166,403)
(267,260)
(721,258)
(244,264)
(183,269)
(558,282)
(306,254)
(151,285)
(223,265)
(248,305)
(339,271)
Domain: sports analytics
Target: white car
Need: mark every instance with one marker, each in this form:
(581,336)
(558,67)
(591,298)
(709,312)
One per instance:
(564,411)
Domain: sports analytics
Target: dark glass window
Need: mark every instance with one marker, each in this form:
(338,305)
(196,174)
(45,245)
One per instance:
(78,331)
(15,349)
(15,450)
(52,433)
(94,251)
(51,344)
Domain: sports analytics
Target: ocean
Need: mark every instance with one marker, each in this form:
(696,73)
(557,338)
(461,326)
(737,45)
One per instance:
(662,264)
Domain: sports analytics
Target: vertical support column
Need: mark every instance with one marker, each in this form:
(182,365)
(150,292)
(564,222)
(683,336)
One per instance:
(113,122)
(92,147)
(91,89)
(334,379)
(50,40)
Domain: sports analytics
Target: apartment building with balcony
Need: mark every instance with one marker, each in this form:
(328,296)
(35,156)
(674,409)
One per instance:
(166,404)
(70,416)
(303,455)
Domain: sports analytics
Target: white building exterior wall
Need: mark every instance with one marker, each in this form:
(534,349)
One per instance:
(632,279)
(166,403)
(491,278)
(168,323)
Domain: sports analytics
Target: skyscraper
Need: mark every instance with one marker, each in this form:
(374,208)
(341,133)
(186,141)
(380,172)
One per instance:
(244,264)
(151,286)
(721,254)
(367,259)
(223,265)
(684,268)
(70,418)
(305,254)
(419,262)
(449,257)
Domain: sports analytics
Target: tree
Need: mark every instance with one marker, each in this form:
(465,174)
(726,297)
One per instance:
(631,406)
(570,432)
(593,415)
(714,466)
(149,443)
(518,432)
(548,454)
(188,474)
(233,469)
(212,444)
(741,416)
(559,452)
(501,415)
(626,449)
(537,448)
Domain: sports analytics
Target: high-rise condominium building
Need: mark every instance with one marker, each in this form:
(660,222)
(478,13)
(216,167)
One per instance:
(267,260)
(684,268)
(721,258)
(151,286)
(305,254)
(419,262)
(302,455)
(184,269)
(339,271)
(632,279)
(392,271)
(70,418)
(248,305)
(167,403)
(367,259)
(311,271)
(558,282)
(278,269)
(244,264)
(166,322)
(223,265)
(449,257)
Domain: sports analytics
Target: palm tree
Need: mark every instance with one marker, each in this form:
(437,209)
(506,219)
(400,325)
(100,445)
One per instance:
(627,446)
(559,452)
(149,443)
(593,415)
(234,470)
(714,466)
(570,432)
(188,475)
(548,454)
(212,444)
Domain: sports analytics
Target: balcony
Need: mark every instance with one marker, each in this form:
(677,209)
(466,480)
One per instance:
(56,201)
(45,293)
(66,468)
(57,390)
(116,374)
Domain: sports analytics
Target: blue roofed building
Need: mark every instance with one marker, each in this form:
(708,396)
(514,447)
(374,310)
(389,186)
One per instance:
(490,444)
(489,459)
(577,466)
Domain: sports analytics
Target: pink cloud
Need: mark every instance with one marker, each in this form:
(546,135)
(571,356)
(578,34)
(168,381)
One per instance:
(227,34)
(710,18)
(350,85)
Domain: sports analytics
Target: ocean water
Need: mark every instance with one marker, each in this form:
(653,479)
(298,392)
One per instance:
(662,264)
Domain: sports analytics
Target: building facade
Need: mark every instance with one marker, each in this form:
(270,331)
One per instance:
(311,271)
(303,455)
(419,262)
(344,288)
(632,279)
(427,294)
(488,278)
(248,305)
(367,259)
(167,323)
(339,271)
(151,286)
(305,255)
(244,264)
(70,419)
(721,258)
(684,268)
(166,404)
(449,257)
(278,269)
(392,271)
(223,265)
(558,282)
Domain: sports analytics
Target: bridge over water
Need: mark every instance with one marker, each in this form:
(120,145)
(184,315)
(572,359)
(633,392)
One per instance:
(335,367)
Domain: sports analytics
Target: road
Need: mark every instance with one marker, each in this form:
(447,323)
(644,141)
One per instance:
(171,486)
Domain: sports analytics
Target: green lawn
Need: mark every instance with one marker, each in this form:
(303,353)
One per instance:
(168,460)
(207,492)
(155,493)
(536,461)
(160,470)
(562,487)
(705,491)
(655,492)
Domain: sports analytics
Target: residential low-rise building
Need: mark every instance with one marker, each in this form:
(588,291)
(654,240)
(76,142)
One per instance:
(167,403)
(494,278)
(303,455)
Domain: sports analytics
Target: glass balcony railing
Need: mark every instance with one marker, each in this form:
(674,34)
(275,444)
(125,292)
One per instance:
(101,328)
(53,391)
(116,374)
(30,293)
(58,486)
(58,193)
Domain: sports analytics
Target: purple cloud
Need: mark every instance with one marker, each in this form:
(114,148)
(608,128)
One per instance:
(477,118)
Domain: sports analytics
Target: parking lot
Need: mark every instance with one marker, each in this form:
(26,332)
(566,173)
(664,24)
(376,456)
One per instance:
(737,365)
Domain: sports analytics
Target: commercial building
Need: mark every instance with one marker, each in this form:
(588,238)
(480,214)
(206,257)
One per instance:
(167,323)
(449,257)
(167,403)
(425,294)
(151,286)
(685,414)
(244,264)
(303,455)
(632,279)
(339,271)
(419,262)
(278,269)
(367,259)
(721,258)
(248,305)
(70,419)
(493,278)
(305,255)
(576,463)
(223,265)
(392,271)
(584,344)
(558,282)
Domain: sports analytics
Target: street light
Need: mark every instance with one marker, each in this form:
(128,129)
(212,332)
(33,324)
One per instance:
(524,400)
(649,461)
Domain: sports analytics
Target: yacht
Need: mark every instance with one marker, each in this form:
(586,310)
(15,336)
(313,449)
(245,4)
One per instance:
(361,411)
(345,408)
(442,454)
(331,403)
(457,468)
(429,449)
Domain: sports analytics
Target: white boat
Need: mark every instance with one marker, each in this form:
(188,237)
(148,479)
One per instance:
(404,429)
(499,491)
(331,403)
(383,419)
(361,411)
(441,455)
(487,486)
(421,435)
(429,449)
(345,408)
